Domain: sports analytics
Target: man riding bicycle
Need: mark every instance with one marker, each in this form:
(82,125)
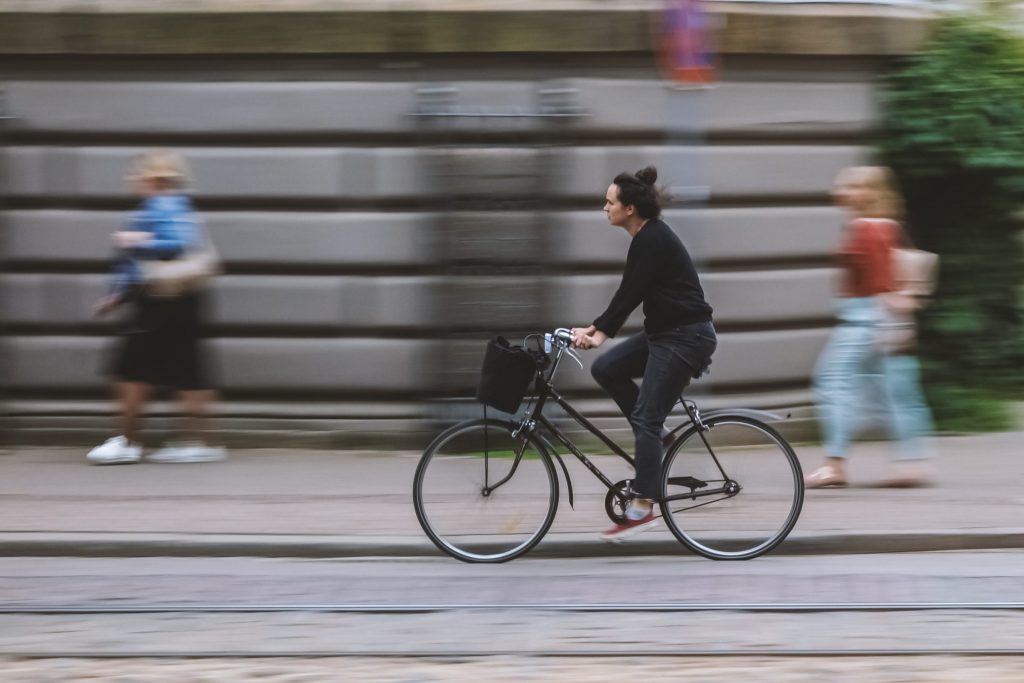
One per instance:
(676,344)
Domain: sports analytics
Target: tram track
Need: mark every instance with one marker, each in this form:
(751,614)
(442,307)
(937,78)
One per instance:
(518,653)
(541,630)
(356,608)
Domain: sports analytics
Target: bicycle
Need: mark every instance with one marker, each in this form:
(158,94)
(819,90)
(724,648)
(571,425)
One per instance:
(487,490)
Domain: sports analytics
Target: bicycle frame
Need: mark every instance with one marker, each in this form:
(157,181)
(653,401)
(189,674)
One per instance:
(536,418)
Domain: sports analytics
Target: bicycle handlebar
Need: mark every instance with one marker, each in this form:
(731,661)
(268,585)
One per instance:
(562,339)
(561,336)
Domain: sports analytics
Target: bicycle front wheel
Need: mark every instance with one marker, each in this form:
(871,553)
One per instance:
(733,491)
(484,495)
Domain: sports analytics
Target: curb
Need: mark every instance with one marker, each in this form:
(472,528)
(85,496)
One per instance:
(574,545)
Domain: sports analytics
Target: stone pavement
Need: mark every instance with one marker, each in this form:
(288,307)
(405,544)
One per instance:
(308,503)
(869,669)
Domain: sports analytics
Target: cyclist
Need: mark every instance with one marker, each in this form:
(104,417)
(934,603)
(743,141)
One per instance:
(676,344)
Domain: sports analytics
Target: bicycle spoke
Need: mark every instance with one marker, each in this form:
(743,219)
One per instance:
(769,494)
(476,521)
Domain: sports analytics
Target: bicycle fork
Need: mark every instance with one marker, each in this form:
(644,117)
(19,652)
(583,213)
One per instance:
(519,452)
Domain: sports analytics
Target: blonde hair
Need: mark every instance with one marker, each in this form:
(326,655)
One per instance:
(883,199)
(166,167)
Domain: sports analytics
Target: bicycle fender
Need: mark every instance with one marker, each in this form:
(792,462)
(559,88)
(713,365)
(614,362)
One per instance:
(762,415)
(565,470)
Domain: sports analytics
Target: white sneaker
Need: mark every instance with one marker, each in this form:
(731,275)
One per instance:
(115,451)
(188,452)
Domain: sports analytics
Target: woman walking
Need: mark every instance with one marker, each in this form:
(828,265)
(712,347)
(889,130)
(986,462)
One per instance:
(161,342)
(855,352)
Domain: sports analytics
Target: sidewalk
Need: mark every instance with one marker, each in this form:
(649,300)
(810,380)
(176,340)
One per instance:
(302,503)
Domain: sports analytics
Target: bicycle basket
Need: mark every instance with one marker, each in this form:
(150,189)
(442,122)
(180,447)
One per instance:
(506,375)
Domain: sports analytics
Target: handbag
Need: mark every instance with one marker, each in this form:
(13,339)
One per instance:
(186,273)
(506,374)
(914,277)
(914,271)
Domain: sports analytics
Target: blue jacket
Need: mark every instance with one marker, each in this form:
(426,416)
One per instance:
(172,221)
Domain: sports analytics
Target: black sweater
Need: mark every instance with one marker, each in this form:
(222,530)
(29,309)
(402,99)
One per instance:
(659,273)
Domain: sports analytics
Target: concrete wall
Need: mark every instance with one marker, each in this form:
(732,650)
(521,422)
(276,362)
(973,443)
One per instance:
(349,279)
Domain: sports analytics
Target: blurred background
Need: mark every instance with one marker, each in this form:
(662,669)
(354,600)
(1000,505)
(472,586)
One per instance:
(392,184)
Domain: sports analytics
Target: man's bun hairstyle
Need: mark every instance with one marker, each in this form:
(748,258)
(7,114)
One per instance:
(638,189)
(647,176)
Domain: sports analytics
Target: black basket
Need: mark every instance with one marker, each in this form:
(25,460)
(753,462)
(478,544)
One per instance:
(506,374)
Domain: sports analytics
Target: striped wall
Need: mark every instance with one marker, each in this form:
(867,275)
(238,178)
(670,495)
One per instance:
(325,199)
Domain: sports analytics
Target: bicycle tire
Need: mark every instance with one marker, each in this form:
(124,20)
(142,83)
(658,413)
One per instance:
(457,513)
(763,469)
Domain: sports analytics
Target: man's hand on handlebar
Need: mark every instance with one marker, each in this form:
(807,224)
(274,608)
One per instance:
(578,333)
(587,337)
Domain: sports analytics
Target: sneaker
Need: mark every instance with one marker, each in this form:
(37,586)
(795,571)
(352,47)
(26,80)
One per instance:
(188,452)
(630,528)
(115,451)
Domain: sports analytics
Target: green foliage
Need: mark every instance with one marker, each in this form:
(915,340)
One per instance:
(963,409)
(954,134)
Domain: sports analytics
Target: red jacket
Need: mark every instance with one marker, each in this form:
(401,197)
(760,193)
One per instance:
(865,256)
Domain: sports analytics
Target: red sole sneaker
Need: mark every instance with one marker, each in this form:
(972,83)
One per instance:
(622,532)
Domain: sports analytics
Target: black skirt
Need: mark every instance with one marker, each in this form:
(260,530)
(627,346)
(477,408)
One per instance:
(161,343)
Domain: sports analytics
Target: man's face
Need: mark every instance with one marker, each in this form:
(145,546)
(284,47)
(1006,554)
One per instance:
(614,209)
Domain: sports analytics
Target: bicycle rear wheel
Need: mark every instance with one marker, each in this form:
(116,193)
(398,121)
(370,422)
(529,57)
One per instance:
(759,482)
(483,495)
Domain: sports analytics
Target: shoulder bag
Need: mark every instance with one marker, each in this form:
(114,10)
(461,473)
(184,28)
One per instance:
(186,273)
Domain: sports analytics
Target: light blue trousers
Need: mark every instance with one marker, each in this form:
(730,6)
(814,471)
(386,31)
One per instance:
(849,363)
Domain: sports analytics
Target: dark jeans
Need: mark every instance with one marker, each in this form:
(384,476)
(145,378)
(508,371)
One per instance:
(666,361)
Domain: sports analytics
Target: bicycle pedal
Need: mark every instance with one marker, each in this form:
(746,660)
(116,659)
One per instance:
(688,482)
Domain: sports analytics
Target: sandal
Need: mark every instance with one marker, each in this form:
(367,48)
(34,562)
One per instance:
(909,476)
(824,477)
